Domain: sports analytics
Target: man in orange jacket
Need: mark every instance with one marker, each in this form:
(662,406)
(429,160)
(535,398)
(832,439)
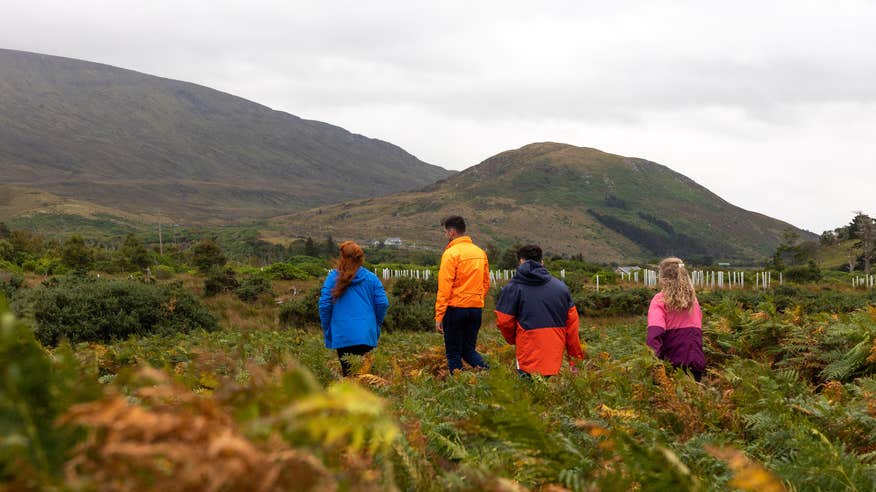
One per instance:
(463,281)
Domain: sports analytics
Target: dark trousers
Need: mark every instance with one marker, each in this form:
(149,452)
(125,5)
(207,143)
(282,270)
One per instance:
(461,326)
(351,350)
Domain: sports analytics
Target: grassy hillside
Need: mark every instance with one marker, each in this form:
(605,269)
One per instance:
(571,200)
(31,209)
(145,144)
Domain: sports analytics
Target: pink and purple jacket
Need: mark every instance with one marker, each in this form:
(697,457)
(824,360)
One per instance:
(676,336)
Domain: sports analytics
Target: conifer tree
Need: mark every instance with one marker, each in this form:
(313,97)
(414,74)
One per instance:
(310,248)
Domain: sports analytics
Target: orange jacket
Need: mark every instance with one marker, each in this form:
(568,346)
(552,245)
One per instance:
(464,277)
(536,313)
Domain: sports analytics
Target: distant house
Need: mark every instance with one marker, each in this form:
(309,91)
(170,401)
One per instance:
(626,270)
(392,241)
(723,264)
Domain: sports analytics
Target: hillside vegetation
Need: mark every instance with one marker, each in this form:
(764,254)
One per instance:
(572,200)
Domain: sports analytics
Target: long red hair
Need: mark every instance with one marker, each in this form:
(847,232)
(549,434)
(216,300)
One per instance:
(352,257)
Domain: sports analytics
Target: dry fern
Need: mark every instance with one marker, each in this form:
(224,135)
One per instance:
(178,441)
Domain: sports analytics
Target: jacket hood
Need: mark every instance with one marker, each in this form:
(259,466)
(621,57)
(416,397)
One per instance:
(361,275)
(532,273)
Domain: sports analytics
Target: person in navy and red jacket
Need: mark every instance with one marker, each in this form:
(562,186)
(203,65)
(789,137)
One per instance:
(675,320)
(536,313)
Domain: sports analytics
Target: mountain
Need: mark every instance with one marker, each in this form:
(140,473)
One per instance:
(570,200)
(152,145)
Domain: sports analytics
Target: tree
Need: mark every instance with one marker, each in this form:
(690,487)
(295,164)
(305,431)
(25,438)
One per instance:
(207,254)
(133,255)
(330,247)
(492,252)
(866,232)
(828,238)
(508,260)
(76,255)
(788,252)
(310,248)
(4,231)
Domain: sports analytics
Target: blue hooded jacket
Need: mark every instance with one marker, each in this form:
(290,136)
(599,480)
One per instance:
(355,317)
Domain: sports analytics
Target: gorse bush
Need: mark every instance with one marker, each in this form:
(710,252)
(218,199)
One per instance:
(411,305)
(219,280)
(408,290)
(87,309)
(286,271)
(302,311)
(252,288)
(10,282)
(162,272)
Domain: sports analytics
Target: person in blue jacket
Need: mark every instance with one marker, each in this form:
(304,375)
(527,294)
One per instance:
(352,305)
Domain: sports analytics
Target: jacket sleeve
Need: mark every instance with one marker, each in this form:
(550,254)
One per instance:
(381,303)
(506,313)
(446,276)
(486,276)
(325,301)
(573,338)
(656,325)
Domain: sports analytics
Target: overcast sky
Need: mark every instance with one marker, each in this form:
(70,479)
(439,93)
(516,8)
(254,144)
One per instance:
(771,105)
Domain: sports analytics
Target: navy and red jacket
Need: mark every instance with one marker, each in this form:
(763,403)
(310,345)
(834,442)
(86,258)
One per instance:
(536,313)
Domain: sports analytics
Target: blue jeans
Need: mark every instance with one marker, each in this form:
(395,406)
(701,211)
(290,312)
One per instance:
(461,326)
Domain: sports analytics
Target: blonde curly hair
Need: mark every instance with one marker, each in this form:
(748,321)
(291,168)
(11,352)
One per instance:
(678,290)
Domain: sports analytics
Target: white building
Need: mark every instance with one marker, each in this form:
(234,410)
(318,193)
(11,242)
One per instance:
(392,241)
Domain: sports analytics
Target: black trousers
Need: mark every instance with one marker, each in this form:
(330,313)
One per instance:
(351,350)
(461,326)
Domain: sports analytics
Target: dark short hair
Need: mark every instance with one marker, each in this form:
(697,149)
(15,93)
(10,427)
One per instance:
(529,252)
(454,222)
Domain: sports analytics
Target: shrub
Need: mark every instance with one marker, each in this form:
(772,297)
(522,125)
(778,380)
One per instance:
(786,296)
(411,305)
(45,266)
(219,280)
(804,273)
(314,269)
(287,271)
(76,256)
(132,255)
(252,288)
(7,251)
(206,255)
(411,290)
(10,282)
(614,302)
(87,309)
(163,272)
(303,311)
(415,316)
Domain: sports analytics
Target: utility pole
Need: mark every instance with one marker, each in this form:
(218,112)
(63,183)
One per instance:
(160,239)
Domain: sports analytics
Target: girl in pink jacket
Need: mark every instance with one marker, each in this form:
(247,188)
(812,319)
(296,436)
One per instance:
(675,321)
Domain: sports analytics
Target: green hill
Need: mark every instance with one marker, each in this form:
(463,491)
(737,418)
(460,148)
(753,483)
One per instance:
(146,144)
(571,200)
